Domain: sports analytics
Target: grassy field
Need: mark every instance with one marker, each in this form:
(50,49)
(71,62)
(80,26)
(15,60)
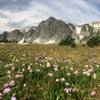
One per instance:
(49,72)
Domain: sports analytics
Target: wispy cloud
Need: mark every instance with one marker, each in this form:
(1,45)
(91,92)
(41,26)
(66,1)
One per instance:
(22,13)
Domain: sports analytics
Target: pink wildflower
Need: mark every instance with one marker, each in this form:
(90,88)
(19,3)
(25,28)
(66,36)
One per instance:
(6,90)
(93,93)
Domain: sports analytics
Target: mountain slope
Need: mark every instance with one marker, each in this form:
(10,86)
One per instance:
(51,31)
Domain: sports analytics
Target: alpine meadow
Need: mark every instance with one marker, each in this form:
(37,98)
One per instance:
(49,50)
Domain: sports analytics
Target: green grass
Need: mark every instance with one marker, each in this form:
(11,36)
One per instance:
(48,72)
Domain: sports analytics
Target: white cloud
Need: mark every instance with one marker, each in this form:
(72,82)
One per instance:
(77,11)
(29,17)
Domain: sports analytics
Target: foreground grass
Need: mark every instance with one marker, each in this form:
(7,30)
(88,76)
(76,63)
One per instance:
(49,72)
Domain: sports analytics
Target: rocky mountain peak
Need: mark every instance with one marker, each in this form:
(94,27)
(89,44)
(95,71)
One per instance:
(51,31)
(51,18)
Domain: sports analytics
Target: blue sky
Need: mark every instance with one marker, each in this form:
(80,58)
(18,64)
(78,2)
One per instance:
(23,13)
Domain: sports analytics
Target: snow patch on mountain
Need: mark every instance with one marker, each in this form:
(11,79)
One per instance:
(78,29)
(37,40)
(50,42)
(21,41)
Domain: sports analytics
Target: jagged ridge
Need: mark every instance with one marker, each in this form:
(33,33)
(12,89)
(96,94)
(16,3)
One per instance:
(51,31)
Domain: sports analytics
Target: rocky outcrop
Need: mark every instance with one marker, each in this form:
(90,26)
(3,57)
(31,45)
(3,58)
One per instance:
(53,29)
(3,37)
(14,36)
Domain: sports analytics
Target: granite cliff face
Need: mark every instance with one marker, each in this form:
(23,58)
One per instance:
(85,32)
(51,31)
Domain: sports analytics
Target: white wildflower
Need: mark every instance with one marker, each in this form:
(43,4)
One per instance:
(94,76)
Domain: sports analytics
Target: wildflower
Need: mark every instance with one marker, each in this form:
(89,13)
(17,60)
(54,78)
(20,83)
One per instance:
(94,76)
(6,85)
(62,79)
(90,70)
(12,83)
(98,85)
(93,93)
(86,73)
(68,74)
(23,69)
(6,90)
(76,72)
(13,97)
(55,69)
(71,69)
(69,60)
(57,80)
(16,60)
(30,70)
(48,64)
(86,66)
(50,74)
(1,96)
(68,90)
(13,60)
(67,84)
(21,76)
(40,64)
(24,85)
(8,72)
(38,70)
(18,75)
(29,67)
(55,66)
(23,64)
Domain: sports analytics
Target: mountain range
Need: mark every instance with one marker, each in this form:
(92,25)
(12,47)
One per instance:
(52,31)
